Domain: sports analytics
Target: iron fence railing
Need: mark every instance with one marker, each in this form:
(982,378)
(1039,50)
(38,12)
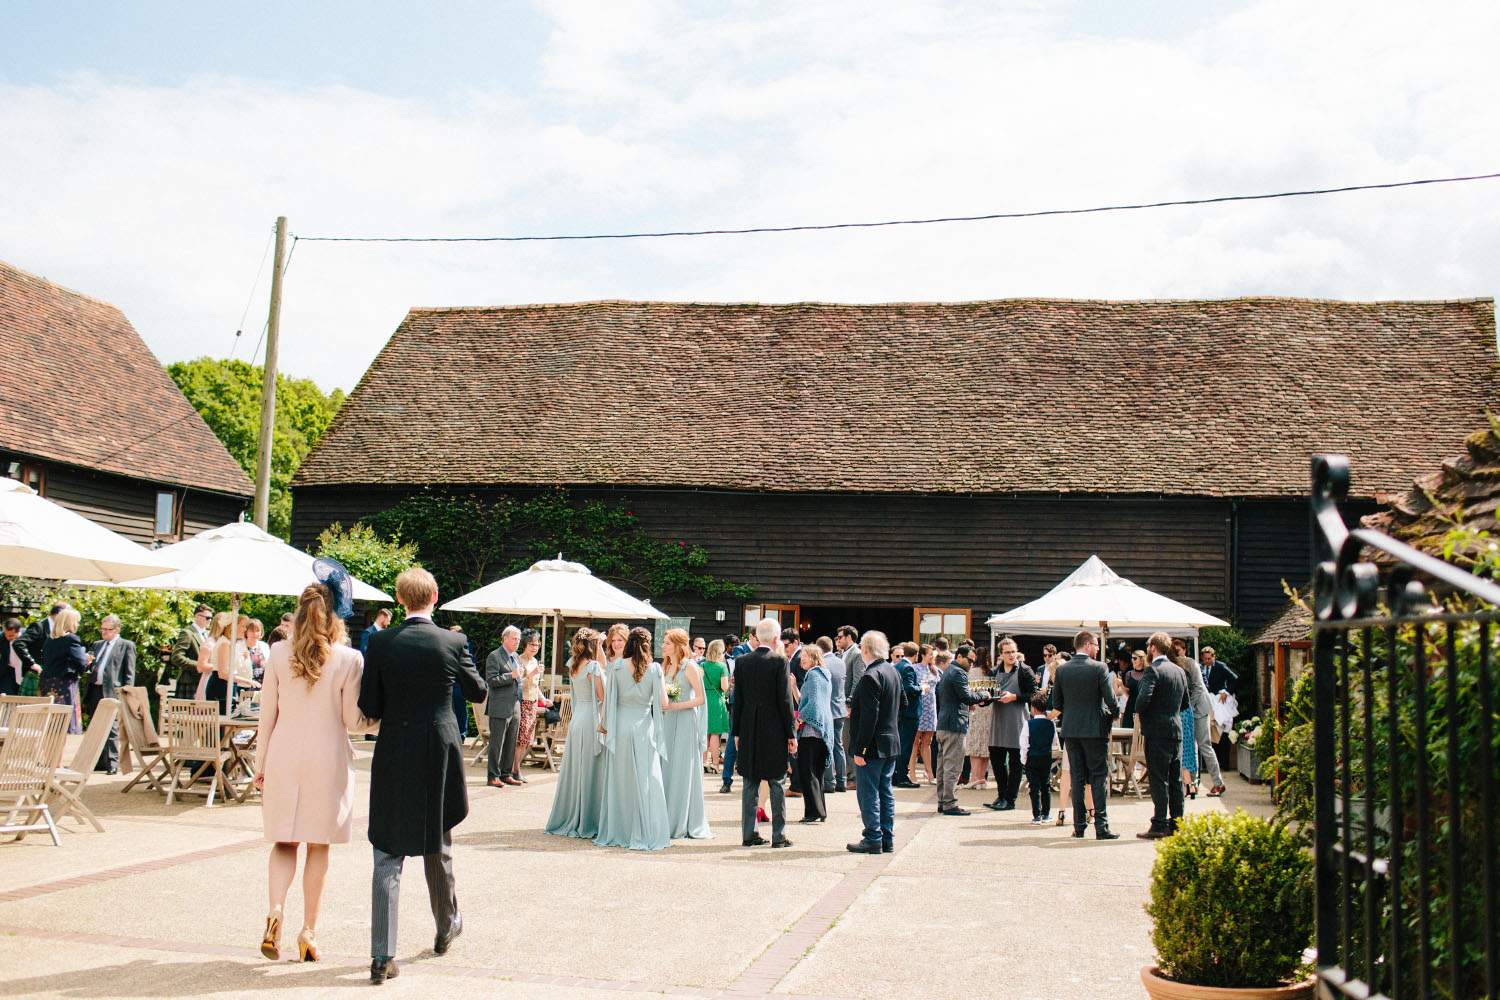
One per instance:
(1404,732)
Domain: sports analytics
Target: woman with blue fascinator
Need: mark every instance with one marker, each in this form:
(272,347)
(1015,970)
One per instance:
(304,761)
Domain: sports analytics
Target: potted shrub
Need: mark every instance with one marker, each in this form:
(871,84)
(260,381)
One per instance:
(1232,911)
(1248,736)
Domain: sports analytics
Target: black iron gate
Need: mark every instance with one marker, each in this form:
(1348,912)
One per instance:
(1404,764)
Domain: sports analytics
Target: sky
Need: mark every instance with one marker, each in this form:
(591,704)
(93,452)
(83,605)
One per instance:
(146,150)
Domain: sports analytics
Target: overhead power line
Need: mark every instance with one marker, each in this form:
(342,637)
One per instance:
(1040,213)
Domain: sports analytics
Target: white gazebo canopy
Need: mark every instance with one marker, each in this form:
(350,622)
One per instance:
(557,589)
(44,540)
(1095,596)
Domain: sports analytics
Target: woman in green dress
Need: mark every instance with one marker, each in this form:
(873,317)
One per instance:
(580,778)
(682,771)
(715,684)
(634,812)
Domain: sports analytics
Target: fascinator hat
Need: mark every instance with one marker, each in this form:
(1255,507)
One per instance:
(332,574)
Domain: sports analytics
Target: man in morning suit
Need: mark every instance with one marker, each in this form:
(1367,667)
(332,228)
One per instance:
(112,669)
(417,790)
(954,700)
(874,743)
(1162,696)
(185,651)
(906,719)
(14,659)
(1084,697)
(502,674)
(761,727)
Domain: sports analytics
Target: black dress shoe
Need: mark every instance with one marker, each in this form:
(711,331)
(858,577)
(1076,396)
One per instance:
(955,811)
(811,819)
(887,848)
(441,943)
(382,969)
(780,842)
(1153,835)
(725,789)
(1004,804)
(1078,832)
(1106,834)
(860,847)
(754,841)
(905,784)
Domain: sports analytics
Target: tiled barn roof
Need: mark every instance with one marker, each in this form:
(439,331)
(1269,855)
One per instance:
(79,386)
(1464,490)
(1206,398)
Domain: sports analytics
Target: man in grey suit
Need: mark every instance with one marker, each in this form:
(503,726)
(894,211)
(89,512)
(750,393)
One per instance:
(954,700)
(836,770)
(1083,696)
(1162,696)
(502,672)
(846,642)
(113,667)
(1203,713)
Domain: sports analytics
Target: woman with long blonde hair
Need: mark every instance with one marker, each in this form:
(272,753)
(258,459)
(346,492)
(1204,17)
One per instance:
(634,813)
(304,762)
(580,777)
(687,737)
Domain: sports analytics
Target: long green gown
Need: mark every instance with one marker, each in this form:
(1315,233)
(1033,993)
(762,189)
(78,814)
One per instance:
(682,771)
(634,814)
(580,779)
(718,713)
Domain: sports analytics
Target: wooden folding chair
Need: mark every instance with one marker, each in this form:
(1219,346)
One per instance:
(482,741)
(10,702)
(192,729)
(67,782)
(135,723)
(32,752)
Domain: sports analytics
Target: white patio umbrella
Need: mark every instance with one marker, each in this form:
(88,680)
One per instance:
(1094,595)
(557,589)
(238,558)
(41,539)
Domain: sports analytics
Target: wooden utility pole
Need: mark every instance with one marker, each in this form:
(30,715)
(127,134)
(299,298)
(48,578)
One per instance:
(268,390)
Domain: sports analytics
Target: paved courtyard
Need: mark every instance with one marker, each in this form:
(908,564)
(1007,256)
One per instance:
(170,901)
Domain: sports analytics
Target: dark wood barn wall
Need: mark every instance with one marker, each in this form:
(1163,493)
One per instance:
(128,506)
(984,553)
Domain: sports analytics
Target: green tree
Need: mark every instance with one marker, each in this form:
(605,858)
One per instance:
(227,395)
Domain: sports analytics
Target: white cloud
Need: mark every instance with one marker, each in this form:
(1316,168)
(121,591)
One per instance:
(660,115)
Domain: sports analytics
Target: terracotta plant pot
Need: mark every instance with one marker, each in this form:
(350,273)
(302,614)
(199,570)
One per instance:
(1159,987)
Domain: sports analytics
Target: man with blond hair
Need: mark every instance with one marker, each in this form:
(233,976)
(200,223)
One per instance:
(417,789)
(1159,704)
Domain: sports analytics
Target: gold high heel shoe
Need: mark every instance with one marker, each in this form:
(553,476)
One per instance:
(270,945)
(307,947)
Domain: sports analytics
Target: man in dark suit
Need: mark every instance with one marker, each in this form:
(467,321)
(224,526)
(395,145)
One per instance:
(502,674)
(761,726)
(417,791)
(14,659)
(185,651)
(1085,699)
(382,619)
(113,668)
(906,718)
(29,645)
(1216,674)
(954,700)
(1162,696)
(874,743)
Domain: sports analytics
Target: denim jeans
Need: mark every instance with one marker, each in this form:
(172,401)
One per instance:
(836,771)
(907,726)
(877,800)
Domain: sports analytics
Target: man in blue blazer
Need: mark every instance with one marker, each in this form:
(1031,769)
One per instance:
(906,719)
(874,744)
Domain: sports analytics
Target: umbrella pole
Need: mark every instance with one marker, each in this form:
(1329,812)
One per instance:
(234,636)
(556,632)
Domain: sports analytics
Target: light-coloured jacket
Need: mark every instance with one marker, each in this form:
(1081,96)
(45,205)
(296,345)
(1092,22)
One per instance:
(817,719)
(838,702)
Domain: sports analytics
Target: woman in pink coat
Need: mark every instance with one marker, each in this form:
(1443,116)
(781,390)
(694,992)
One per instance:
(305,763)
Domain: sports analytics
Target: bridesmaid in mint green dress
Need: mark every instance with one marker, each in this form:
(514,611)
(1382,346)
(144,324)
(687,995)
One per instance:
(634,814)
(580,779)
(687,737)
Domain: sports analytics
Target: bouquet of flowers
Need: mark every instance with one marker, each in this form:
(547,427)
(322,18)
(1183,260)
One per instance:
(1248,732)
(674,690)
